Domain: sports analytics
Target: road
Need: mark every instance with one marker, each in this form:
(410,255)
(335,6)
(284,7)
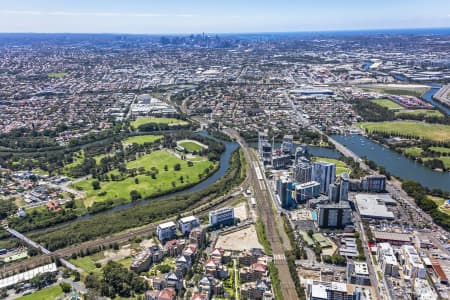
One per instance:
(266,214)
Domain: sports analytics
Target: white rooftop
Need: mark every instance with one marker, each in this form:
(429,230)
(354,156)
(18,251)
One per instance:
(372,206)
(188,219)
(166,225)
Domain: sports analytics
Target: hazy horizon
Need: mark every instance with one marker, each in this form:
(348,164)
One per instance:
(181,17)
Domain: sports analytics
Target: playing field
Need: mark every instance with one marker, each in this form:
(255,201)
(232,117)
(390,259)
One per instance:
(341,167)
(146,120)
(387,103)
(191,146)
(44,294)
(146,185)
(141,139)
(434,132)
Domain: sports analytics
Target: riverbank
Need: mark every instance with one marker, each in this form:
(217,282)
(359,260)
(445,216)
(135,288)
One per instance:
(395,163)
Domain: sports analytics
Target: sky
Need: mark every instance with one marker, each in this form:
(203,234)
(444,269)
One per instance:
(212,16)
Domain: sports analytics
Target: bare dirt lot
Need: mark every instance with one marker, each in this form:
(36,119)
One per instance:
(244,239)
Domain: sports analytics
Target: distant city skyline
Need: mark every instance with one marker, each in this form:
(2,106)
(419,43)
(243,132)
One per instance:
(233,16)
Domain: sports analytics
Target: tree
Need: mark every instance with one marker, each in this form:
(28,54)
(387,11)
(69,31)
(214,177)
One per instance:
(32,252)
(66,287)
(96,185)
(177,167)
(135,195)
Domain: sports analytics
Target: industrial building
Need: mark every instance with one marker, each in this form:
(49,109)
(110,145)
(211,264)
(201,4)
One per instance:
(372,206)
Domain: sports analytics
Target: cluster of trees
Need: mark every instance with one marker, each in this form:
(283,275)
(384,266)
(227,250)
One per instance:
(444,119)
(116,280)
(25,138)
(42,219)
(7,208)
(419,193)
(297,251)
(42,280)
(84,230)
(360,248)
(357,171)
(372,112)
(335,259)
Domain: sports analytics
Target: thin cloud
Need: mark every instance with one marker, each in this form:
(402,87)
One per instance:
(90,14)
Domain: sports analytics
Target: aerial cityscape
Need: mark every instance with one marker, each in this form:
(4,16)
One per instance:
(205,160)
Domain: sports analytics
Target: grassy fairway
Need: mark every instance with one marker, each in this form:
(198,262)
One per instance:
(45,294)
(423,112)
(169,121)
(387,103)
(57,74)
(434,132)
(414,151)
(191,146)
(148,186)
(440,149)
(142,139)
(341,167)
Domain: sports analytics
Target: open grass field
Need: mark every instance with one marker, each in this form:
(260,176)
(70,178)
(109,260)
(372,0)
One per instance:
(440,149)
(387,103)
(48,293)
(148,186)
(169,121)
(341,167)
(141,139)
(414,151)
(424,112)
(191,146)
(57,74)
(85,263)
(434,132)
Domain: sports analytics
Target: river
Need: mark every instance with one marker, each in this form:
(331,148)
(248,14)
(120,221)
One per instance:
(395,163)
(428,96)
